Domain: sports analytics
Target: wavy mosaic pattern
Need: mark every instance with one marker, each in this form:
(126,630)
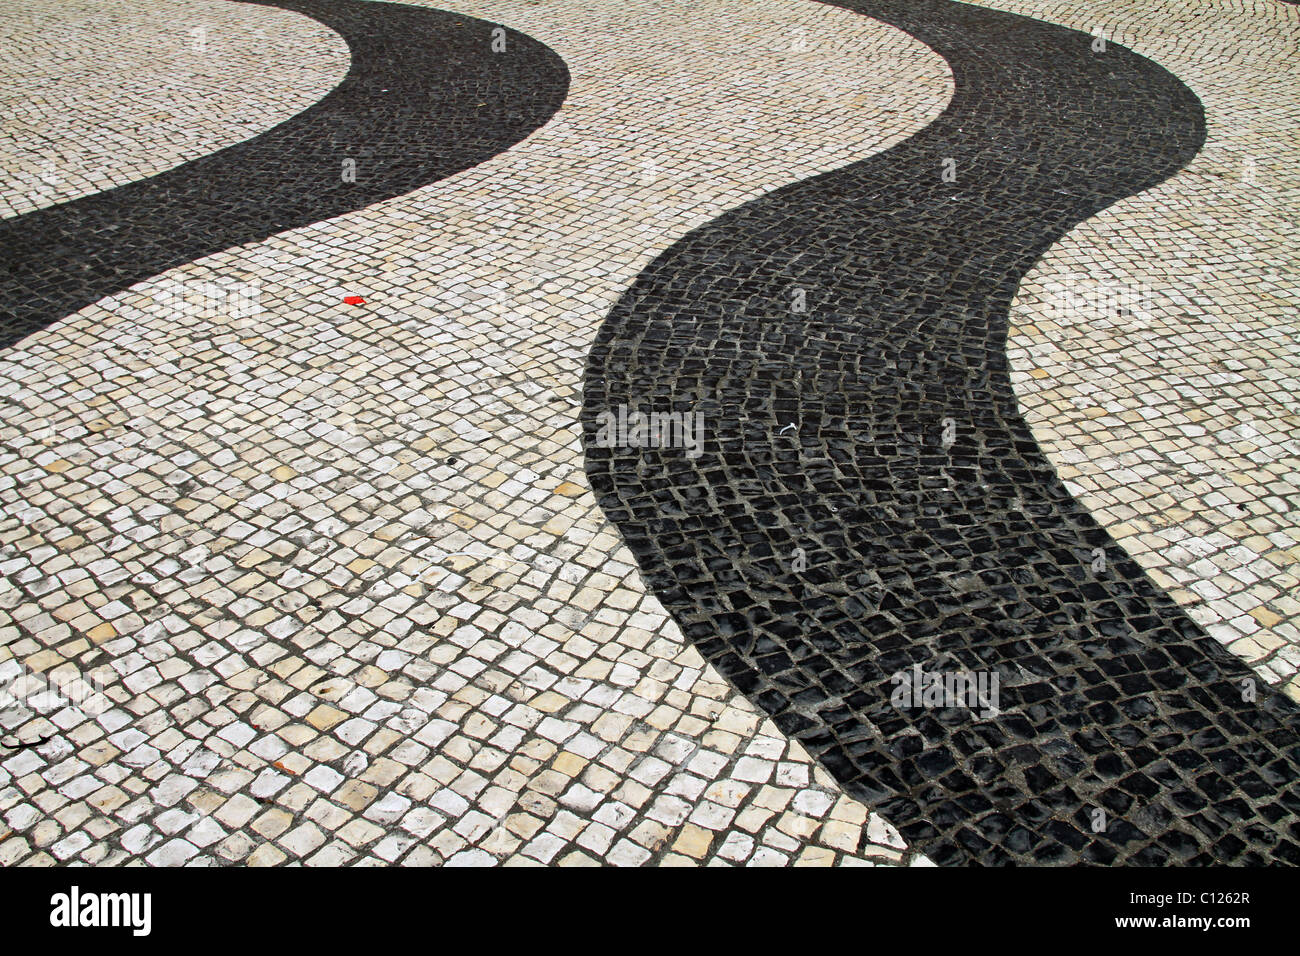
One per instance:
(339,565)
(869,498)
(420,102)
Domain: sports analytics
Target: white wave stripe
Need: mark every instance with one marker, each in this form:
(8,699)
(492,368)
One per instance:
(100,93)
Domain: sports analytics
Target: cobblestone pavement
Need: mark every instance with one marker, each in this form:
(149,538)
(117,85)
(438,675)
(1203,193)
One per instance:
(869,501)
(420,102)
(302,528)
(339,565)
(100,94)
(1154,348)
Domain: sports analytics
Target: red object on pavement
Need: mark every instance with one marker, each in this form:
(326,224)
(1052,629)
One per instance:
(354,300)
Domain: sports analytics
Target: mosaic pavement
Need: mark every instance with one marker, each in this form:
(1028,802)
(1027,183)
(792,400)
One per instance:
(296,508)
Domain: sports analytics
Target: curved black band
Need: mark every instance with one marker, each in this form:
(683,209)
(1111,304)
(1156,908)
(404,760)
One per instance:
(425,96)
(826,431)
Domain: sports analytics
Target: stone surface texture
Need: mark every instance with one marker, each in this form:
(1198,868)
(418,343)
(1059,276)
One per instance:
(339,566)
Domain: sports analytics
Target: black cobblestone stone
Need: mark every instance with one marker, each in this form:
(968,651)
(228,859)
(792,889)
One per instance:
(824,432)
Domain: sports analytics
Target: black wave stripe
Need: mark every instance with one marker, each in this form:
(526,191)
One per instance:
(425,96)
(825,431)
